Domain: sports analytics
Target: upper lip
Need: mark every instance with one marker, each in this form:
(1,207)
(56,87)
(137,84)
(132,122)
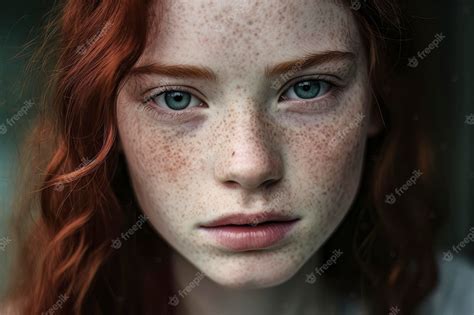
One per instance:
(251,219)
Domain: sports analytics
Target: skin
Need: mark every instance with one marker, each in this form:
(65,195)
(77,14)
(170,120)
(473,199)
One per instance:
(247,150)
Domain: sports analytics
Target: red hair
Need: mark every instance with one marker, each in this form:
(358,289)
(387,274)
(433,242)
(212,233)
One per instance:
(79,208)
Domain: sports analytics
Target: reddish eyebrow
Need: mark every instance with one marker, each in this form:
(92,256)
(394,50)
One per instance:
(308,61)
(178,71)
(197,72)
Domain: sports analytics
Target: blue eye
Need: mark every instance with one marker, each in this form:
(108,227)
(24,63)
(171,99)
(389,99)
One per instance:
(175,100)
(308,89)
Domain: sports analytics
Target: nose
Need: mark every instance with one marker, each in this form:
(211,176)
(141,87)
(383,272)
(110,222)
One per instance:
(249,158)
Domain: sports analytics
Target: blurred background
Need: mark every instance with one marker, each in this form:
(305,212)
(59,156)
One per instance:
(19,23)
(444,79)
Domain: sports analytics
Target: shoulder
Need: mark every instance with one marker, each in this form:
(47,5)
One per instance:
(455,291)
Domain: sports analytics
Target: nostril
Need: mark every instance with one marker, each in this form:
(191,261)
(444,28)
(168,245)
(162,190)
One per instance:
(231,184)
(269,182)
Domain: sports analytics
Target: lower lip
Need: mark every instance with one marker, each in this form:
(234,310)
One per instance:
(246,237)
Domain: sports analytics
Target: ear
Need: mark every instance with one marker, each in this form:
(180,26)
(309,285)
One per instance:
(376,123)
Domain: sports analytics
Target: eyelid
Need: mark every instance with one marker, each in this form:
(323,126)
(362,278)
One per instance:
(333,87)
(317,77)
(148,94)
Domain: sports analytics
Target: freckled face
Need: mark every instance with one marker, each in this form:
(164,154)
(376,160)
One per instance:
(246,137)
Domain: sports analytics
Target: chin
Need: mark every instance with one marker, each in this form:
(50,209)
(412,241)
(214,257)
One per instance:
(252,270)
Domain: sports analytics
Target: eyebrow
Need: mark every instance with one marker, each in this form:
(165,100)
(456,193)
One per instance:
(197,72)
(178,71)
(310,60)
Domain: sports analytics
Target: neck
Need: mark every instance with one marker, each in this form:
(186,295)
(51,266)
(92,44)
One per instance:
(200,295)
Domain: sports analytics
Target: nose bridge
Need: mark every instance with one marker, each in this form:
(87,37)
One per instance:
(249,154)
(249,132)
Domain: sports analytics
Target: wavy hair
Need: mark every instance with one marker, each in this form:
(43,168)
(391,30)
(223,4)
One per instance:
(79,197)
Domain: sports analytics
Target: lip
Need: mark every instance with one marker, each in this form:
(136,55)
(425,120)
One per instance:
(239,232)
(251,219)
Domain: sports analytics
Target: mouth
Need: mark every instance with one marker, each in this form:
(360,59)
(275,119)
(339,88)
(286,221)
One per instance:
(249,232)
(249,219)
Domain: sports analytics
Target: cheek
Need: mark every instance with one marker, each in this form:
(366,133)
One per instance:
(162,172)
(326,177)
(326,159)
(161,158)
(162,165)
(155,156)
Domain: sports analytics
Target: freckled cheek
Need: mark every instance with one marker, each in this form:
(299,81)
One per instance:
(164,172)
(162,169)
(328,158)
(155,154)
(167,161)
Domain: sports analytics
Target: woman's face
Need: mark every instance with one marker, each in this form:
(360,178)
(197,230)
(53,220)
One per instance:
(247,125)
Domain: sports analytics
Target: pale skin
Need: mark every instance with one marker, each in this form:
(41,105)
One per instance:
(248,141)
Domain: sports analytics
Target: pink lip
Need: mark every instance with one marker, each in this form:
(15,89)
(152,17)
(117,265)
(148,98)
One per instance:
(240,232)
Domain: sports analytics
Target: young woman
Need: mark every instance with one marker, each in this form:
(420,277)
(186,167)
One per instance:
(214,157)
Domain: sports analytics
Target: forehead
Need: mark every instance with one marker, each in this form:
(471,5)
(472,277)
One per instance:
(247,32)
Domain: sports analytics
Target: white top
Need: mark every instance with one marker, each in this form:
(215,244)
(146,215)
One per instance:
(454,294)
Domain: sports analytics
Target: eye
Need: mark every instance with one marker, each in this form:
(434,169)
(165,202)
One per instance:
(174,99)
(308,89)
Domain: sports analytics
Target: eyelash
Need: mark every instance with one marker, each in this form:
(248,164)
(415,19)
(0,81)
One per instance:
(333,91)
(156,110)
